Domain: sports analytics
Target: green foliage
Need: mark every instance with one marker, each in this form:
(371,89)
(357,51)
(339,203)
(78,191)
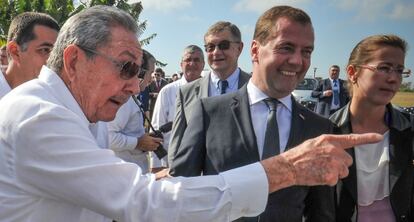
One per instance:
(61,10)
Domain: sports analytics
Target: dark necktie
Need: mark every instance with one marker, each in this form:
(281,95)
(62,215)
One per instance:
(271,141)
(224,85)
(335,93)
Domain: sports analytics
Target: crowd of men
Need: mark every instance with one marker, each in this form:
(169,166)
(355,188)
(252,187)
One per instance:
(75,144)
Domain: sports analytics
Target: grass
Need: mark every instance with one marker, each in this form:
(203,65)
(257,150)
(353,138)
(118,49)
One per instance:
(405,99)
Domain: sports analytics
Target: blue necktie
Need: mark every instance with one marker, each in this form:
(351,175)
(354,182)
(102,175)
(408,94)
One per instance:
(224,85)
(271,141)
(335,93)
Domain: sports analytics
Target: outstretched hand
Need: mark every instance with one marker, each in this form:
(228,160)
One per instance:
(318,161)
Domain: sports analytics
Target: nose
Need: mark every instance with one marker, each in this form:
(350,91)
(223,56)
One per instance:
(132,86)
(296,59)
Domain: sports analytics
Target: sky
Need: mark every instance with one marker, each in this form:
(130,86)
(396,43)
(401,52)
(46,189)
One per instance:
(339,25)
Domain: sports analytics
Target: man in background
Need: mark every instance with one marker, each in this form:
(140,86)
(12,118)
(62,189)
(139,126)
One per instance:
(192,64)
(3,59)
(332,93)
(158,82)
(223,46)
(30,39)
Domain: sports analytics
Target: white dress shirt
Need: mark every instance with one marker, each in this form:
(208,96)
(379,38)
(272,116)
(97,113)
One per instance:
(4,85)
(259,112)
(124,132)
(51,169)
(164,112)
(215,88)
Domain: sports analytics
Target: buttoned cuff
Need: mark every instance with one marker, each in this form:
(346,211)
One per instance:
(249,190)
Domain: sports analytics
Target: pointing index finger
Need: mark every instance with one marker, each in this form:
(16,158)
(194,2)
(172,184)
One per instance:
(351,140)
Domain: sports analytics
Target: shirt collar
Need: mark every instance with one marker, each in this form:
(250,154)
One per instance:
(232,79)
(256,96)
(61,91)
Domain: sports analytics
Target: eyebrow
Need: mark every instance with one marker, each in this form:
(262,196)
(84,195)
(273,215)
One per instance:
(46,44)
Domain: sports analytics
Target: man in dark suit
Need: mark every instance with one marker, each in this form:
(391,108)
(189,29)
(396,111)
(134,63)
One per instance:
(154,88)
(332,93)
(223,46)
(262,119)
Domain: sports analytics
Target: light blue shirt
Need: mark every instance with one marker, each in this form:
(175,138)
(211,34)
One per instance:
(215,86)
(259,112)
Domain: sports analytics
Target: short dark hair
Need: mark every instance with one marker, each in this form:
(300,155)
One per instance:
(146,57)
(265,24)
(221,26)
(21,27)
(159,70)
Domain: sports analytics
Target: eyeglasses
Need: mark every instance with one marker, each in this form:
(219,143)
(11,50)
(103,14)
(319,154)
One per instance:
(223,45)
(387,70)
(127,70)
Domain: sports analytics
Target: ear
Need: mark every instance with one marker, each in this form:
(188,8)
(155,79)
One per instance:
(14,51)
(254,51)
(71,61)
(240,47)
(352,73)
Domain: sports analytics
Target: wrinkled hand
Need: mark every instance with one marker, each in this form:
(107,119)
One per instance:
(327,92)
(162,174)
(157,169)
(319,161)
(148,143)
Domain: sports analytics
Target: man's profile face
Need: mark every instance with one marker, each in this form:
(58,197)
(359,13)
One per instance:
(282,62)
(97,85)
(3,57)
(192,65)
(223,61)
(37,51)
(334,72)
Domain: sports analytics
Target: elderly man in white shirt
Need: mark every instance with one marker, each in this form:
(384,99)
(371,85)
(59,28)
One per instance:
(52,169)
(192,64)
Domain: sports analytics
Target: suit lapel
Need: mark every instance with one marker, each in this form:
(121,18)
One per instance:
(243,78)
(241,113)
(296,134)
(203,87)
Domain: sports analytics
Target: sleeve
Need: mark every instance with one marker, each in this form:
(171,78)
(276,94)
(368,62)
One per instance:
(189,158)
(318,91)
(159,118)
(179,126)
(118,140)
(58,159)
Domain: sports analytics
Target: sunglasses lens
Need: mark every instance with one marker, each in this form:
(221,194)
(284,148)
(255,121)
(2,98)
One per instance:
(224,45)
(130,70)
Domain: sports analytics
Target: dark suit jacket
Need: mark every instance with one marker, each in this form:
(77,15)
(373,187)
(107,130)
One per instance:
(401,170)
(152,88)
(220,136)
(187,95)
(324,102)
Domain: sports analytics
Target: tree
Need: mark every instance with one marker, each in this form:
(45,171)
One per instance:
(61,10)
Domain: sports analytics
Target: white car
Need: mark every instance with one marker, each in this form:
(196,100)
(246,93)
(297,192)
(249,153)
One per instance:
(303,92)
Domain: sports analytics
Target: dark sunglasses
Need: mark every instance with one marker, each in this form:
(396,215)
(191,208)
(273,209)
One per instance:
(127,70)
(223,45)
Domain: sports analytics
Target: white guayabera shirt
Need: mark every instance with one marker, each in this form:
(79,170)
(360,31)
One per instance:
(52,169)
